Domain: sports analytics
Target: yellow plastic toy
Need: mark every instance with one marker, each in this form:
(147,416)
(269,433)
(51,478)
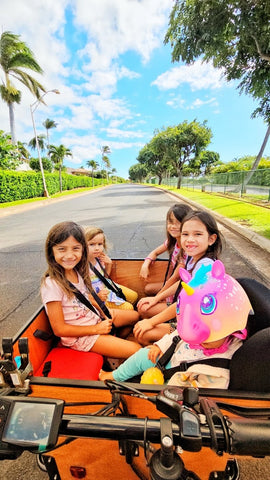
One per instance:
(152,376)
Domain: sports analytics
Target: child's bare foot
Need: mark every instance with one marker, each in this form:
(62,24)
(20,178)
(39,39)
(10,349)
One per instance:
(105,375)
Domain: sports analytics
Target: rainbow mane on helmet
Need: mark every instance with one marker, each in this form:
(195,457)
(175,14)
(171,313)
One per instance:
(210,306)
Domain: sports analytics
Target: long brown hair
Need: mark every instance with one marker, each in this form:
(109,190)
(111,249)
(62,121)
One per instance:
(58,234)
(180,210)
(213,251)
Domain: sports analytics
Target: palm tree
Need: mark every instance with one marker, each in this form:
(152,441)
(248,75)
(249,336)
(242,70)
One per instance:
(105,151)
(57,155)
(48,124)
(93,165)
(41,142)
(114,172)
(15,58)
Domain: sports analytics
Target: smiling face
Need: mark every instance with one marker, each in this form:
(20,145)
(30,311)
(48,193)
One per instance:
(195,238)
(68,253)
(173,226)
(95,246)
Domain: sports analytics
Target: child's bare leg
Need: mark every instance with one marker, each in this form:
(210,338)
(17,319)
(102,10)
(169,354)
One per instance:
(122,318)
(152,288)
(124,331)
(115,347)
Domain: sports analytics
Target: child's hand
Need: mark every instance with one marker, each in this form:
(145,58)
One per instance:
(103,294)
(154,353)
(141,327)
(104,327)
(145,303)
(144,272)
(104,258)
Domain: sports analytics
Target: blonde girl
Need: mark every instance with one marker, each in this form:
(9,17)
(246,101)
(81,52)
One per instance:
(79,327)
(100,269)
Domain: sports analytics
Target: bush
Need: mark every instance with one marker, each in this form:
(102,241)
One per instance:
(24,185)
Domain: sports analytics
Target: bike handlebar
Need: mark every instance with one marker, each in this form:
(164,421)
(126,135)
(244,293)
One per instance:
(193,423)
(249,437)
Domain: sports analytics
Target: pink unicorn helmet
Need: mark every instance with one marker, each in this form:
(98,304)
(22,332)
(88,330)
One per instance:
(211,306)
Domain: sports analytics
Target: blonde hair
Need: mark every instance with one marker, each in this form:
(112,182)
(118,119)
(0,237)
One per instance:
(91,232)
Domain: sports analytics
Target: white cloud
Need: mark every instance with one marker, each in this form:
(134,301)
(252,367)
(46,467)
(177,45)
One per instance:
(198,76)
(178,102)
(198,103)
(117,132)
(117,27)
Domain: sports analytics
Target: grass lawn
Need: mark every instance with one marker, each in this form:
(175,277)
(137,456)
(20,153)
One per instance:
(254,217)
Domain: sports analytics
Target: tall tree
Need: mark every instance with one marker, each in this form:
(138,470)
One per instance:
(114,171)
(137,172)
(182,144)
(16,59)
(48,124)
(154,157)
(105,151)
(57,155)
(235,36)
(93,165)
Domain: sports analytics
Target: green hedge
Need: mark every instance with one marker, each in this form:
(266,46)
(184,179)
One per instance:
(23,185)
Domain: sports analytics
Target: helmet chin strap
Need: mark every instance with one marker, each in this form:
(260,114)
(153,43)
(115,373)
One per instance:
(242,334)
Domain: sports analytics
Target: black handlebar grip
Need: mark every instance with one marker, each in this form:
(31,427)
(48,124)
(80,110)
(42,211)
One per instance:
(248,437)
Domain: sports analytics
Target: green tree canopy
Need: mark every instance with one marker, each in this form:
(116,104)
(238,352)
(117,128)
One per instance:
(240,164)
(137,172)
(207,159)
(183,144)
(16,59)
(46,163)
(153,157)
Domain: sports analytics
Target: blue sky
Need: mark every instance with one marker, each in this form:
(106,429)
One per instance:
(117,82)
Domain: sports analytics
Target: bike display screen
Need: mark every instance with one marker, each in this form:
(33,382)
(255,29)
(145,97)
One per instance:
(33,423)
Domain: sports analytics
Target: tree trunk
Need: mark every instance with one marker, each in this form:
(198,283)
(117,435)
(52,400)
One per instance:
(60,178)
(179,178)
(12,123)
(159,179)
(257,160)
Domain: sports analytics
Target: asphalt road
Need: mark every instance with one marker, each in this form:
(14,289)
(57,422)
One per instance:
(133,218)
